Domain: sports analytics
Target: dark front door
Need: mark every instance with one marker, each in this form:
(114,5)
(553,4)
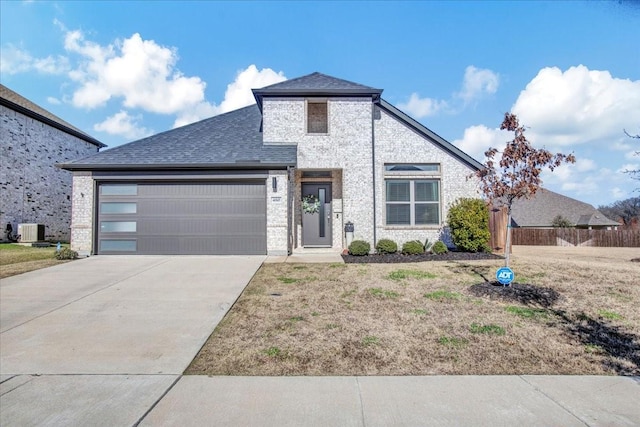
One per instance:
(316,214)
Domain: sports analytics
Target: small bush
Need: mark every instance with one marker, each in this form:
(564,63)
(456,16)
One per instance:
(386,246)
(561,222)
(359,248)
(414,247)
(66,253)
(468,220)
(439,248)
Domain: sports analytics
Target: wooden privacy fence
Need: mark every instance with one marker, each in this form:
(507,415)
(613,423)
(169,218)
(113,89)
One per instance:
(575,237)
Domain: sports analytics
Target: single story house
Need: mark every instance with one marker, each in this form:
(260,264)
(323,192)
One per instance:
(286,174)
(540,211)
(32,189)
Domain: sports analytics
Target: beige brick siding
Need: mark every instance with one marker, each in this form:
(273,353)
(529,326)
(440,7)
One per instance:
(397,143)
(277,213)
(32,188)
(82,213)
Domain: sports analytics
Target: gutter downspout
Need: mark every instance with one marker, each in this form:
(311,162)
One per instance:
(290,210)
(373,167)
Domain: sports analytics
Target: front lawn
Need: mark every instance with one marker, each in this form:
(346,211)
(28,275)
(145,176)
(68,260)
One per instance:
(564,316)
(18,259)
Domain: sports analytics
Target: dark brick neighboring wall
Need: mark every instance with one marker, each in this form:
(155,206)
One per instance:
(32,189)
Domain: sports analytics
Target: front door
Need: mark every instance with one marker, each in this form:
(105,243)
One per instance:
(316,214)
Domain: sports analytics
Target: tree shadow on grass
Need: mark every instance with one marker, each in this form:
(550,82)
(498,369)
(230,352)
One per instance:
(621,347)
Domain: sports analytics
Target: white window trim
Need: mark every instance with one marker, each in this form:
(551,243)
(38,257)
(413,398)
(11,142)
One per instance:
(412,176)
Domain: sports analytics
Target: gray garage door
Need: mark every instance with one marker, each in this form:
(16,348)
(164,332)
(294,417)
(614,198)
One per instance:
(221,218)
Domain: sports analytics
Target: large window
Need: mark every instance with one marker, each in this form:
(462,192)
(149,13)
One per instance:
(413,201)
(317,117)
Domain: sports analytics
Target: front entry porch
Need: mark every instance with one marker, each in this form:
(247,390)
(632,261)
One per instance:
(318,218)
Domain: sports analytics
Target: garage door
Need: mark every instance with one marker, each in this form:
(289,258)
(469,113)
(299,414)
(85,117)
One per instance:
(221,218)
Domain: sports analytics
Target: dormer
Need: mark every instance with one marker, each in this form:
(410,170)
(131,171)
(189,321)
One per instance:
(307,107)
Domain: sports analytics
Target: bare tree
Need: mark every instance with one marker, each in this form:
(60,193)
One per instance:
(517,174)
(635,174)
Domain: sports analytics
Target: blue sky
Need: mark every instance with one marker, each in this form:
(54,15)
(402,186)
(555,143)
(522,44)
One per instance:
(570,70)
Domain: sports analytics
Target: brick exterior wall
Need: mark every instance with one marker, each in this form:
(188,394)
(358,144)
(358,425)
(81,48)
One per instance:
(346,150)
(398,143)
(32,189)
(82,213)
(277,213)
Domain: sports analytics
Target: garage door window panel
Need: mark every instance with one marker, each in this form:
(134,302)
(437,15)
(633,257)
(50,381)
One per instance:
(108,245)
(119,190)
(118,207)
(118,226)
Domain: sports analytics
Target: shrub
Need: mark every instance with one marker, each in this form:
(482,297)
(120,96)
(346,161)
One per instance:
(359,247)
(468,220)
(561,222)
(386,246)
(439,248)
(414,247)
(66,253)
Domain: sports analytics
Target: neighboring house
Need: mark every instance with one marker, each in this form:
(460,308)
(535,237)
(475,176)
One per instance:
(32,188)
(540,211)
(240,182)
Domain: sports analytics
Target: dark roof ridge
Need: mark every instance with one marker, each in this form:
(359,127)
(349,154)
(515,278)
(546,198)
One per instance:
(19,103)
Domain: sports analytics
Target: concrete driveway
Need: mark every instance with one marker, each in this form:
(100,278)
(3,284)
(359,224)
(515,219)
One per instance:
(108,330)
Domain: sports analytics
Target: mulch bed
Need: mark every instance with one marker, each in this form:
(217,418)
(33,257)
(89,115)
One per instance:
(402,258)
(517,292)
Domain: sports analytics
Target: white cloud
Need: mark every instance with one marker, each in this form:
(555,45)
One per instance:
(578,106)
(478,139)
(53,101)
(141,72)
(237,95)
(422,107)
(478,82)
(14,60)
(123,124)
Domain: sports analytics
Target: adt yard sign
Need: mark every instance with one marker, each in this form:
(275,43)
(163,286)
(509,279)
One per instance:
(505,275)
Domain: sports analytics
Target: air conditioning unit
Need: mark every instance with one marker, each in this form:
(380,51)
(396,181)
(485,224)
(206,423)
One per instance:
(31,232)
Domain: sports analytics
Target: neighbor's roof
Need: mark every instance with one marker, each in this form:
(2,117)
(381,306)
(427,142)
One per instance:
(230,140)
(316,84)
(545,205)
(19,103)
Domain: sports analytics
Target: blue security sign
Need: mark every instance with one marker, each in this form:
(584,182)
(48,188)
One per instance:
(505,275)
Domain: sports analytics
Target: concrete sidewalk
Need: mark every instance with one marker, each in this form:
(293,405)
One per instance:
(153,400)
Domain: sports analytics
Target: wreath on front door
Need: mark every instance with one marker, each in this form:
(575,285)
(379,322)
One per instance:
(310,204)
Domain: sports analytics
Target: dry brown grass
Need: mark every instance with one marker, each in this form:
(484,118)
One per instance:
(320,319)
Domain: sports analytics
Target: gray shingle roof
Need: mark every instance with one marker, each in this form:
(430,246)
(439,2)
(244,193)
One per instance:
(541,209)
(227,140)
(316,84)
(19,103)
(317,81)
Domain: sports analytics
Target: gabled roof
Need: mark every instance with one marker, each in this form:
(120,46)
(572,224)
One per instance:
(316,84)
(230,140)
(545,205)
(428,133)
(19,103)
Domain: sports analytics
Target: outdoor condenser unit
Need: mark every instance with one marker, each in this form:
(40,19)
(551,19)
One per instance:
(31,232)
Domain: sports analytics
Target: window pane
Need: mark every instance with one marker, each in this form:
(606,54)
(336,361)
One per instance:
(118,208)
(118,245)
(397,191)
(119,189)
(427,213)
(427,191)
(317,117)
(118,226)
(398,214)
